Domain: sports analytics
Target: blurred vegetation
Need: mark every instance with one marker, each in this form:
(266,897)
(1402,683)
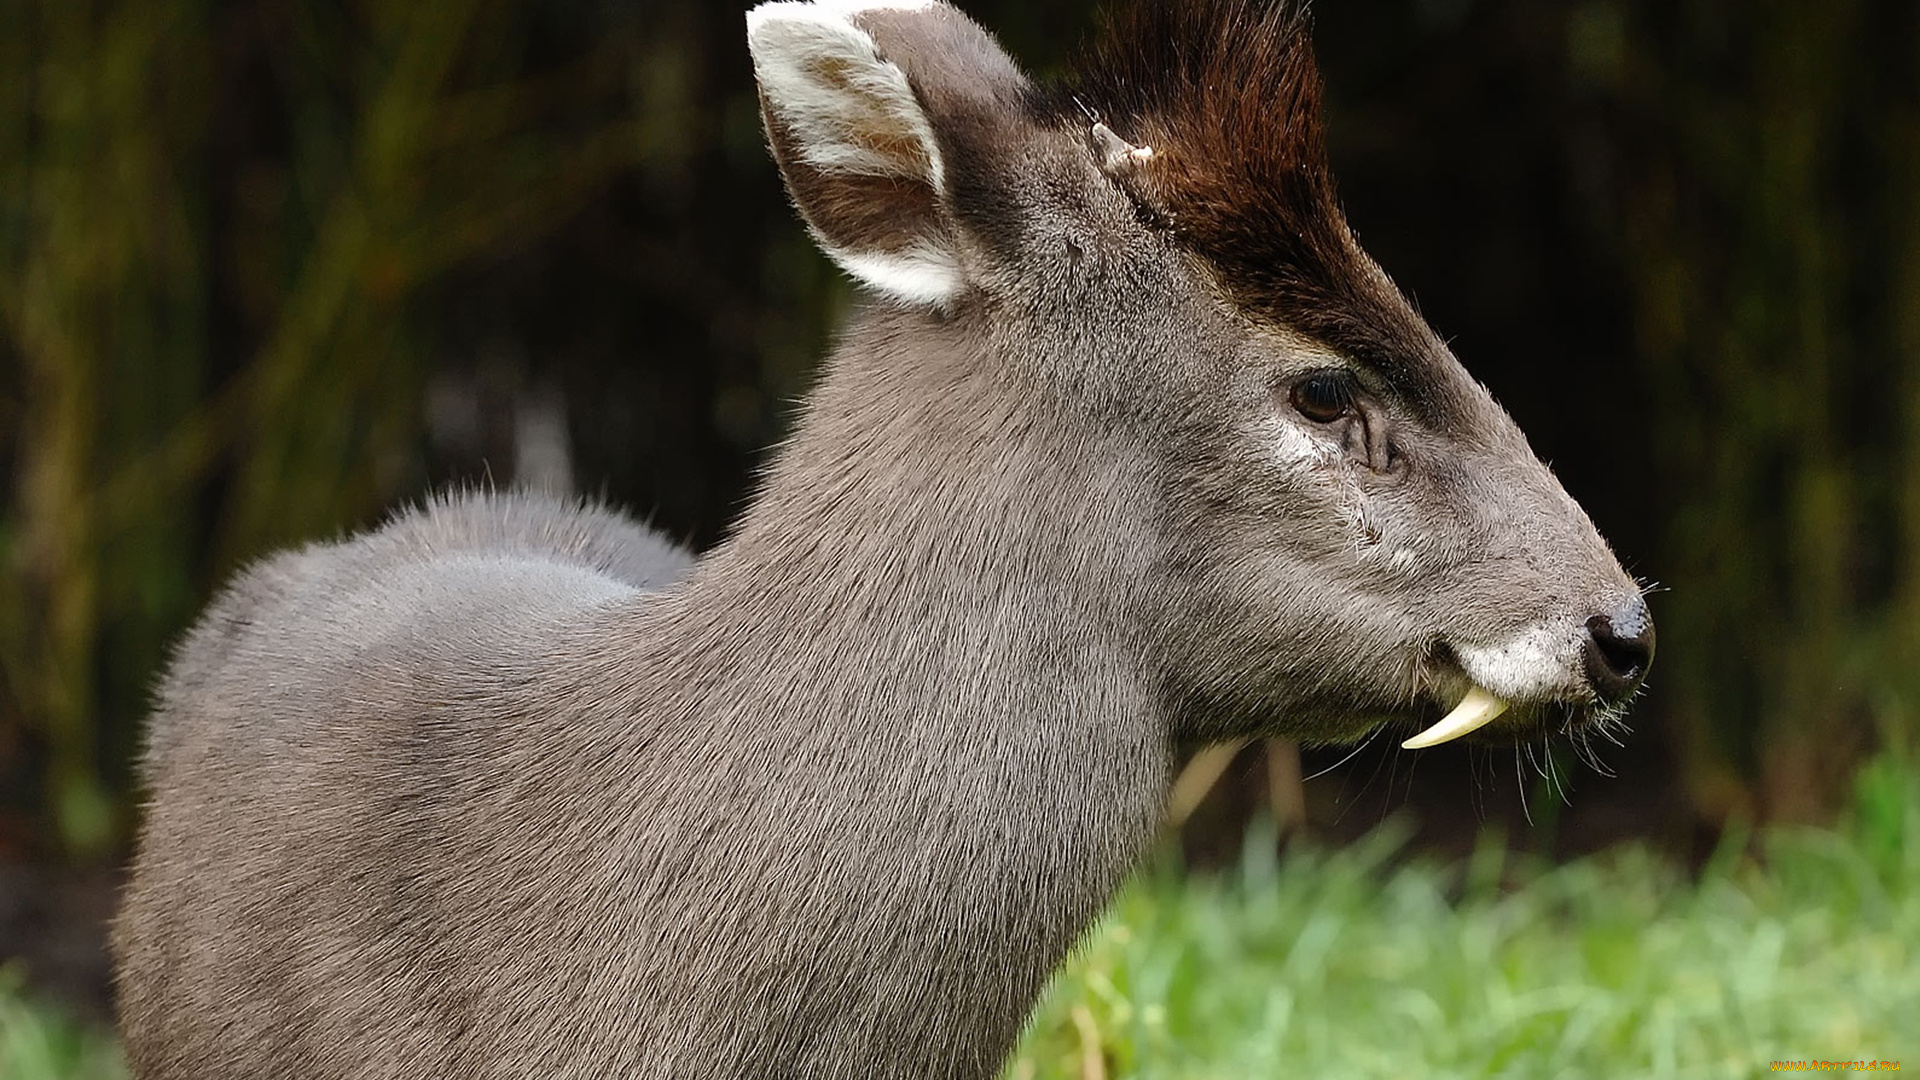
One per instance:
(1803,945)
(252,253)
(39,1042)
(1771,222)
(267,269)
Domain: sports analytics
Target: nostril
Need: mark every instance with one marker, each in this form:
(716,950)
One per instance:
(1619,650)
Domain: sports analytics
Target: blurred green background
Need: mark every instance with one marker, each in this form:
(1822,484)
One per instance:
(269,268)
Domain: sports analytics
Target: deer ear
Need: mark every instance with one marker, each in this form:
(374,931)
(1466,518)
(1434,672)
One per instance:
(856,145)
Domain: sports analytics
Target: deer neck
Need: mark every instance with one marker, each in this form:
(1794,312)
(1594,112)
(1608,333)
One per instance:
(936,609)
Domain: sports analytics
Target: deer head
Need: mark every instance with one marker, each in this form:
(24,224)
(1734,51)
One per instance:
(1344,529)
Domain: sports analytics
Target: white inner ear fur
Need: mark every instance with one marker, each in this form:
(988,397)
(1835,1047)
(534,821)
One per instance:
(922,274)
(851,112)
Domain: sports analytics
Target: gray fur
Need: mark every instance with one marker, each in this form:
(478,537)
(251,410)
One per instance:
(511,788)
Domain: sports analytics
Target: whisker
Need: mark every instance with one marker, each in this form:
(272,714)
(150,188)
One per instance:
(1591,756)
(1520,778)
(1477,783)
(1364,743)
(1371,777)
(1556,780)
(1535,762)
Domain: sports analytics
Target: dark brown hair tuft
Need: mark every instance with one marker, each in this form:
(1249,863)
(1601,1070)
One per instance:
(1227,95)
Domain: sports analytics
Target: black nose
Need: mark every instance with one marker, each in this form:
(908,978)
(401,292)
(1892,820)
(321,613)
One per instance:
(1619,649)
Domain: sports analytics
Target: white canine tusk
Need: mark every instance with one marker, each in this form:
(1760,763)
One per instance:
(1475,711)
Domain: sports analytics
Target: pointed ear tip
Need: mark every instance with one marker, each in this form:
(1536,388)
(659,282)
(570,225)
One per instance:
(777,25)
(782,27)
(821,10)
(762,16)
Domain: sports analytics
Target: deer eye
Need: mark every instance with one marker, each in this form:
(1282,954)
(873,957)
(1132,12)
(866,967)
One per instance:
(1324,396)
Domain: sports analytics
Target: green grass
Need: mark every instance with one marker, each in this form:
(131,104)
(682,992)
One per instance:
(40,1044)
(1801,945)
(1345,964)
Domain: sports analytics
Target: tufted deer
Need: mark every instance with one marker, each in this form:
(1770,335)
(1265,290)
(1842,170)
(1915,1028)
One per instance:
(1136,449)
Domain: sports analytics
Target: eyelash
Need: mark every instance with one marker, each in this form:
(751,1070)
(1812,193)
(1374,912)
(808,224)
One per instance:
(1324,396)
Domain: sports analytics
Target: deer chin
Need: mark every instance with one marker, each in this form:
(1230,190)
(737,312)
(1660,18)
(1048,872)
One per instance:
(1476,710)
